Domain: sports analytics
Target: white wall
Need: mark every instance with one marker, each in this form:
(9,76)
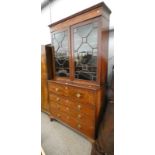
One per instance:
(64,8)
(45,32)
(60,9)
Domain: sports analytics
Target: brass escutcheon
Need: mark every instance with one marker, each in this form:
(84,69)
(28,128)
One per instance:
(78,95)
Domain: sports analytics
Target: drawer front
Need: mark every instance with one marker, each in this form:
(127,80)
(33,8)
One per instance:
(77,115)
(70,121)
(82,95)
(84,128)
(74,93)
(74,106)
(68,101)
(85,108)
(58,89)
(59,99)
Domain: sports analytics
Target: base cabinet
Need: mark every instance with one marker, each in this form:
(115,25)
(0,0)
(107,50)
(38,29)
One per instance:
(74,106)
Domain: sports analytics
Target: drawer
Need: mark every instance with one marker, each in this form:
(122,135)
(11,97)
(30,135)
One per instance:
(83,128)
(55,112)
(77,115)
(58,89)
(59,99)
(84,108)
(55,98)
(80,117)
(82,95)
(75,93)
(70,121)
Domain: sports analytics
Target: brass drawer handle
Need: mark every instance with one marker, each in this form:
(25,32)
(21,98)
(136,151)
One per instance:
(79,126)
(78,95)
(79,106)
(79,116)
(56,89)
(58,99)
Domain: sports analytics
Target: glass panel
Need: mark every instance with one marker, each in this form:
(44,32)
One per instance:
(85,51)
(60,43)
(83,31)
(92,38)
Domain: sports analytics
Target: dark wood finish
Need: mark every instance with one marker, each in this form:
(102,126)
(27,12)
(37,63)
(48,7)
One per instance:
(49,51)
(86,14)
(105,139)
(75,102)
(44,90)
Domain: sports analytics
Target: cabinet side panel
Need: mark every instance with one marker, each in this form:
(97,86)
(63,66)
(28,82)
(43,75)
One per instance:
(49,52)
(44,90)
(104,50)
(100,107)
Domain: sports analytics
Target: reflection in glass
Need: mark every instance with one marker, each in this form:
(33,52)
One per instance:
(85,51)
(60,43)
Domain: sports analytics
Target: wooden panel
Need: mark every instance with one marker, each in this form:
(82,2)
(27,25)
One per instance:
(50,61)
(84,128)
(44,90)
(81,95)
(70,121)
(77,94)
(69,101)
(78,103)
(59,99)
(86,16)
(77,115)
(74,107)
(102,4)
(58,89)
(88,85)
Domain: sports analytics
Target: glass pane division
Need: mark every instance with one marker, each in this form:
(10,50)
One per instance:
(85,51)
(60,43)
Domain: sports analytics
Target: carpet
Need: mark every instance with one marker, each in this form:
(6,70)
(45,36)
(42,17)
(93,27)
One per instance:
(57,139)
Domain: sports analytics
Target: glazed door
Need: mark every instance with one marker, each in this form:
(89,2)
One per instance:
(60,41)
(85,50)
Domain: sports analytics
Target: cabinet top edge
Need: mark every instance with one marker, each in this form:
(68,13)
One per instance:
(86,86)
(102,4)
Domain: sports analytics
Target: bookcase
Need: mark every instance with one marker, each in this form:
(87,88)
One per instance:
(77,86)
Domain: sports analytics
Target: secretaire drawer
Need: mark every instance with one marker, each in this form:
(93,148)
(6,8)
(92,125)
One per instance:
(76,93)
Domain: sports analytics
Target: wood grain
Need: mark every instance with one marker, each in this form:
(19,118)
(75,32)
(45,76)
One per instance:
(44,89)
(74,102)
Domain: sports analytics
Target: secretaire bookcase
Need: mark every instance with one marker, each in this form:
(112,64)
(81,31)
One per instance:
(77,88)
